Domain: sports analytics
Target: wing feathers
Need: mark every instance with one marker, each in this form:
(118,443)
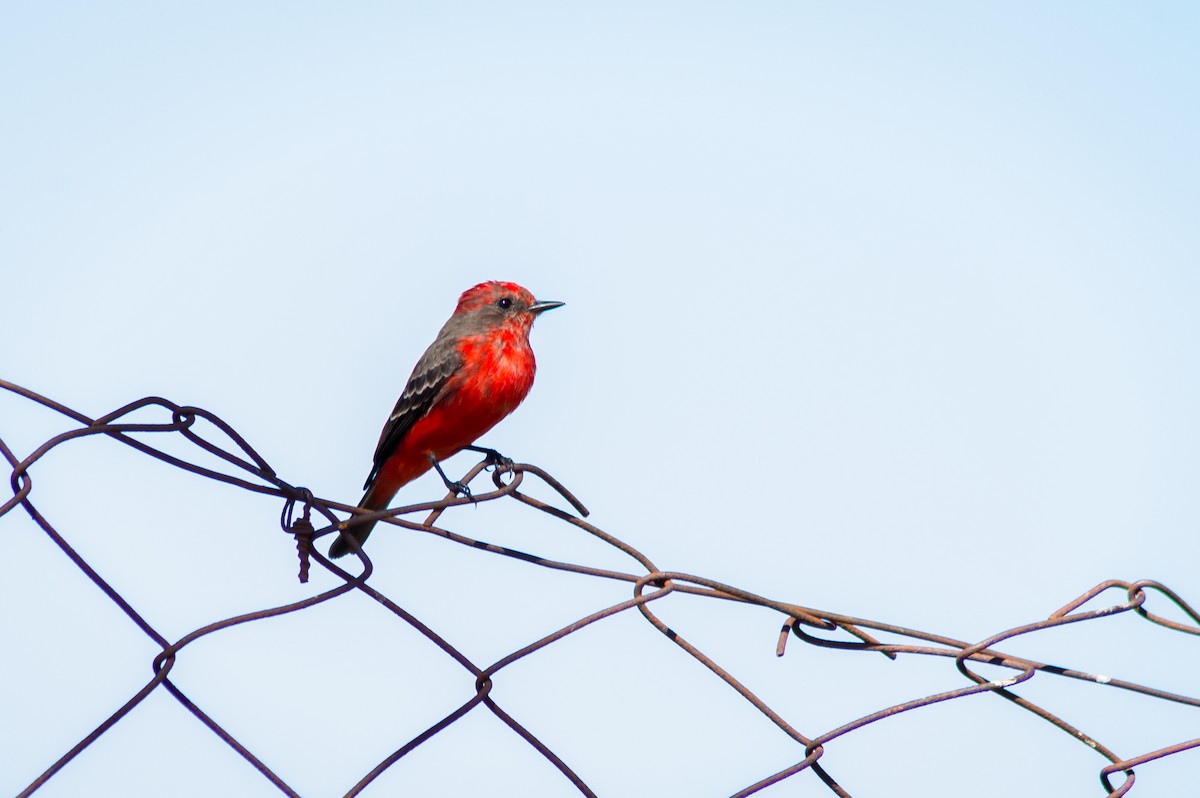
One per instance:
(424,388)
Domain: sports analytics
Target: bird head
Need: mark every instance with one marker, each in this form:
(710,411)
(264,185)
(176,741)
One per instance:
(502,304)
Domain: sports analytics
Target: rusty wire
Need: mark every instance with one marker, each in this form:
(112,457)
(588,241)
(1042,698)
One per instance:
(649,584)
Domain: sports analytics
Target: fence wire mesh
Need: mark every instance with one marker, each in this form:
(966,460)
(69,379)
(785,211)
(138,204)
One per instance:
(309,518)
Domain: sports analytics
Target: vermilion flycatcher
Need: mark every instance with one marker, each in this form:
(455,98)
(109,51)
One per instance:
(474,374)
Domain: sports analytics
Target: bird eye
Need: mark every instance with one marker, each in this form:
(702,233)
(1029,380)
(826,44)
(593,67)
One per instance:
(505,303)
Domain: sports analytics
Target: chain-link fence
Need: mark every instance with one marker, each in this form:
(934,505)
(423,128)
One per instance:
(310,518)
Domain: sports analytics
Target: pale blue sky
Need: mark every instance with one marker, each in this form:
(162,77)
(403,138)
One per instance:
(890,310)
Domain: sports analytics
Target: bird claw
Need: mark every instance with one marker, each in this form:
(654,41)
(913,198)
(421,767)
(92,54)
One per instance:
(461,489)
(500,462)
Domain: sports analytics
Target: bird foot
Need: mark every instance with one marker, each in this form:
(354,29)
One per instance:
(458,488)
(494,458)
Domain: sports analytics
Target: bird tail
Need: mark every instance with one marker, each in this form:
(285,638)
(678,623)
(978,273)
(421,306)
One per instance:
(342,545)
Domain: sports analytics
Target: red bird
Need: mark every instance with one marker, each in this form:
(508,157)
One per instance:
(476,372)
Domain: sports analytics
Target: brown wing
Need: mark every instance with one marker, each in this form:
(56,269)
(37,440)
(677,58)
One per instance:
(433,371)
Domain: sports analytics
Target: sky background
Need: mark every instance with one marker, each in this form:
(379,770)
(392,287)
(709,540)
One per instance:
(890,310)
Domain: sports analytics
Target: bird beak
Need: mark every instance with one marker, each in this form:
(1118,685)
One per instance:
(538,308)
